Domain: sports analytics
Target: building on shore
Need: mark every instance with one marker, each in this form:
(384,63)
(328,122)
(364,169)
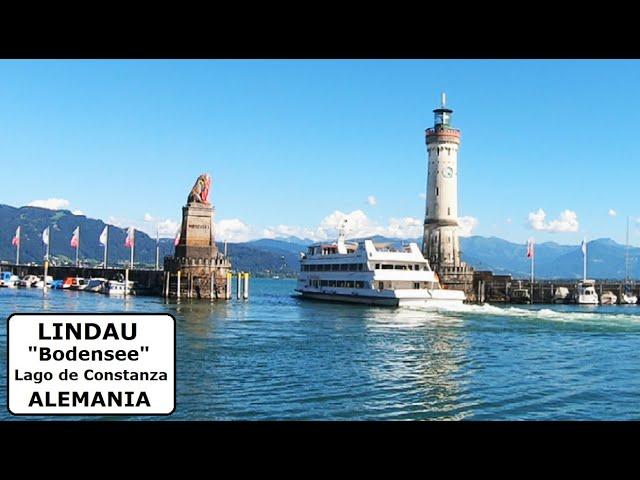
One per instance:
(440,243)
(197,269)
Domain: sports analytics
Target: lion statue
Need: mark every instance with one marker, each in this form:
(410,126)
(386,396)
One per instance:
(200,191)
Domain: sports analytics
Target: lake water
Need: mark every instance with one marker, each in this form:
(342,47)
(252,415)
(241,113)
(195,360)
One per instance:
(278,357)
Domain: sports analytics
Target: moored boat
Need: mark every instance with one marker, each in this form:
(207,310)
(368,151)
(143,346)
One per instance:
(608,298)
(28,281)
(585,293)
(8,280)
(561,295)
(116,287)
(96,285)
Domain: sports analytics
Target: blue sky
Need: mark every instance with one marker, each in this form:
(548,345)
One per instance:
(290,143)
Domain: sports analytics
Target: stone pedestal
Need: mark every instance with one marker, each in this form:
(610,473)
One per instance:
(197,269)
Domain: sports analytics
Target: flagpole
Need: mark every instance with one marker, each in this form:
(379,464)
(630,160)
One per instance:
(532,257)
(132,245)
(106,242)
(584,267)
(18,247)
(46,261)
(157,248)
(78,248)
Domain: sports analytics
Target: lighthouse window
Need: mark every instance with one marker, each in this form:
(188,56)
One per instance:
(449,211)
(437,191)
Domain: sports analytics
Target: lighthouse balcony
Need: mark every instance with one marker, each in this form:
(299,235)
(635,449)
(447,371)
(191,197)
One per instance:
(442,132)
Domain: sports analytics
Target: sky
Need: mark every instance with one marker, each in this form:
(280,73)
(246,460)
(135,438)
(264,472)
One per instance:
(548,147)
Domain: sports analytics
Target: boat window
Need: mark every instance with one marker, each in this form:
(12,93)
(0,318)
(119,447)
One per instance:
(416,285)
(387,267)
(380,285)
(344,267)
(335,267)
(377,266)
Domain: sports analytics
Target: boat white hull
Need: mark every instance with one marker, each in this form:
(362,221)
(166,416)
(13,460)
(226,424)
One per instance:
(628,300)
(384,300)
(587,300)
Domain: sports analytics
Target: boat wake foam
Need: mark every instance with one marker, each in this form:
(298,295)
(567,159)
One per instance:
(542,313)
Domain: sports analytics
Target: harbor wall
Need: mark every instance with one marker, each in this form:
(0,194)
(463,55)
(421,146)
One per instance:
(143,277)
(498,288)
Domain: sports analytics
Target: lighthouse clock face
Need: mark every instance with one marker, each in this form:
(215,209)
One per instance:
(447,172)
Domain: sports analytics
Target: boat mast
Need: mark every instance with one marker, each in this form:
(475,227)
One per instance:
(626,256)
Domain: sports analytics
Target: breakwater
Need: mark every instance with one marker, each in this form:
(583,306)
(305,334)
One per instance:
(500,288)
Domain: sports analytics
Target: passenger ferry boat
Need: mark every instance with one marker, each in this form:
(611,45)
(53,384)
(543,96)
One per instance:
(374,274)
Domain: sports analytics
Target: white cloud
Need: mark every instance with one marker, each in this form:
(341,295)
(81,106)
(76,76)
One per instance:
(371,200)
(78,212)
(467,224)
(612,212)
(168,227)
(50,203)
(567,222)
(232,230)
(148,217)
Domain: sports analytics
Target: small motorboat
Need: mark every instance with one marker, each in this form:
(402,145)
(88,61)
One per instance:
(115,287)
(8,280)
(608,298)
(74,283)
(586,293)
(57,284)
(520,295)
(628,298)
(41,281)
(561,295)
(96,285)
(28,281)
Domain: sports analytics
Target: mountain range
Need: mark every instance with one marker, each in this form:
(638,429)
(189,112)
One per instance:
(281,255)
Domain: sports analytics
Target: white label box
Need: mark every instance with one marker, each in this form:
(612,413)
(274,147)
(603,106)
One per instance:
(91,364)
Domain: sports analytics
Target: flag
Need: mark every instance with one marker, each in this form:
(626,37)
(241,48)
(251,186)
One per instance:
(45,236)
(103,236)
(16,240)
(128,242)
(530,248)
(75,240)
(177,239)
(583,246)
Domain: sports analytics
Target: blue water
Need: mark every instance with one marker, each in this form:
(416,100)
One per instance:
(277,357)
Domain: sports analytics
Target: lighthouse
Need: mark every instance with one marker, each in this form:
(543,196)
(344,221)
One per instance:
(440,242)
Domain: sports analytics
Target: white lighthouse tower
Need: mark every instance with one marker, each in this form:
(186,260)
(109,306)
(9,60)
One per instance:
(440,243)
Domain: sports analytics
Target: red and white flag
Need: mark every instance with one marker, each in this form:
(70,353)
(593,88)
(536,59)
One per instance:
(75,240)
(129,241)
(530,248)
(177,239)
(16,239)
